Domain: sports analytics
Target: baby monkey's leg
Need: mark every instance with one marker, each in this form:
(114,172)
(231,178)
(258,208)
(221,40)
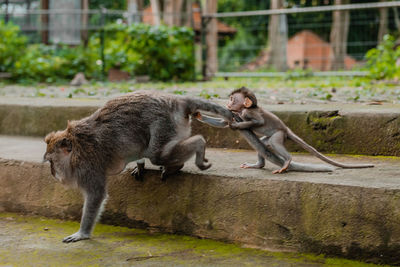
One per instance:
(261,160)
(276,145)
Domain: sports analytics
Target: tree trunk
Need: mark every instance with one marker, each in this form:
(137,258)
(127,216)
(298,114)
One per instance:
(383,23)
(339,33)
(172,12)
(168,12)
(178,4)
(155,10)
(211,39)
(277,38)
(188,13)
(85,18)
(45,22)
(134,9)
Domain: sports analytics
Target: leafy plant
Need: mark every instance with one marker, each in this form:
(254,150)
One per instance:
(162,52)
(50,63)
(382,60)
(12,44)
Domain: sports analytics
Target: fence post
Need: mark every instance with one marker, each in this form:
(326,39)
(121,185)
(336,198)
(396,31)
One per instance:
(204,22)
(102,37)
(190,23)
(6,15)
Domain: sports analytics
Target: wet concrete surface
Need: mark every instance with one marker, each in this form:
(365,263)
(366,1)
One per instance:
(36,241)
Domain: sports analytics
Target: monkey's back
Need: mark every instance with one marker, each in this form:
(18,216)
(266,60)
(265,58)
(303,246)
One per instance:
(140,123)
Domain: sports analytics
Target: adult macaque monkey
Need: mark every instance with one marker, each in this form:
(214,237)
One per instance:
(243,102)
(132,127)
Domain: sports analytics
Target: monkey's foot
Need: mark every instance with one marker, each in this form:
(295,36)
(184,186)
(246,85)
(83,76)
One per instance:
(204,166)
(168,170)
(251,166)
(280,171)
(76,237)
(138,173)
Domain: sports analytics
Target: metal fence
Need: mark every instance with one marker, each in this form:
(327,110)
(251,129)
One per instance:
(75,26)
(308,39)
(242,36)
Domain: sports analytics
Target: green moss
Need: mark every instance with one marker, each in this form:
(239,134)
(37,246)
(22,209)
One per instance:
(41,245)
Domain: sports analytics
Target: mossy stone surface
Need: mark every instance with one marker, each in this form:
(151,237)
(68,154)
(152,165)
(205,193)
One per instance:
(36,241)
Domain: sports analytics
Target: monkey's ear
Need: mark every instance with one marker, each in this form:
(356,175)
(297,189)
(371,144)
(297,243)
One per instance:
(66,145)
(48,137)
(247,102)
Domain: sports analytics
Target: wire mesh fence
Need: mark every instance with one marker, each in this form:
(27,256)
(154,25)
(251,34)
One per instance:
(306,41)
(96,30)
(245,43)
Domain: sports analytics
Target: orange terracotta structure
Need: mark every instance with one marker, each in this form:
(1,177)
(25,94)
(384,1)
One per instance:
(307,50)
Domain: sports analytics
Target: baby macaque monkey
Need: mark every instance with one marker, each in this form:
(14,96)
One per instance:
(243,103)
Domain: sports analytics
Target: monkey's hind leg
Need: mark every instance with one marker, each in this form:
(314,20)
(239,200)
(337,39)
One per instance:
(139,170)
(261,160)
(182,152)
(275,144)
(168,170)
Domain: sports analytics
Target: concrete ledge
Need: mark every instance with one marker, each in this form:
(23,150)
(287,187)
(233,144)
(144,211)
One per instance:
(344,129)
(350,213)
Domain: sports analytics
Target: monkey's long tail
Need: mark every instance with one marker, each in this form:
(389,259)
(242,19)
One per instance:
(315,152)
(255,143)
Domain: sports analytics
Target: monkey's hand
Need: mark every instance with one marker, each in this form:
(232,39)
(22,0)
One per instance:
(76,237)
(197,115)
(234,125)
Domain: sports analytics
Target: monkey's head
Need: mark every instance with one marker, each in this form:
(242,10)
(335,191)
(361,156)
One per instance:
(240,99)
(58,153)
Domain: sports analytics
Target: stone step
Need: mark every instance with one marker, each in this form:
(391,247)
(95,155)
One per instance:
(352,213)
(343,129)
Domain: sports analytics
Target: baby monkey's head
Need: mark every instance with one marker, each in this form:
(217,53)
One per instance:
(240,99)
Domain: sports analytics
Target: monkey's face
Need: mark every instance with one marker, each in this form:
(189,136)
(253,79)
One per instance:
(236,102)
(58,153)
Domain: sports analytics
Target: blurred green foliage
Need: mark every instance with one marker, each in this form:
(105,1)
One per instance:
(12,44)
(163,53)
(382,60)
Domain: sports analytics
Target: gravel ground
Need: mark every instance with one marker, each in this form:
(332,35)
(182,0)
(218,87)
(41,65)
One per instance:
(314,90)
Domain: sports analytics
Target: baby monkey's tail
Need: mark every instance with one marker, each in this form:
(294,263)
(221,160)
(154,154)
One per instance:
(322,157)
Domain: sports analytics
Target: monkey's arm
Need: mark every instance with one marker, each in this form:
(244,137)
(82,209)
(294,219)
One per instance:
(251,120)
(212,121)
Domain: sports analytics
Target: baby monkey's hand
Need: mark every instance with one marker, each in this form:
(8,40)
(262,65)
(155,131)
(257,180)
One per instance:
(234,125)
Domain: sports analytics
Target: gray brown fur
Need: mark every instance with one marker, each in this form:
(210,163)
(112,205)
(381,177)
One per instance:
(132,127)
(252,119)
(262,149)
(275,132)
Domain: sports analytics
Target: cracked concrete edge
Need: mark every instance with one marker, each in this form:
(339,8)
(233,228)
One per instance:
(328,129)
(336,220)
